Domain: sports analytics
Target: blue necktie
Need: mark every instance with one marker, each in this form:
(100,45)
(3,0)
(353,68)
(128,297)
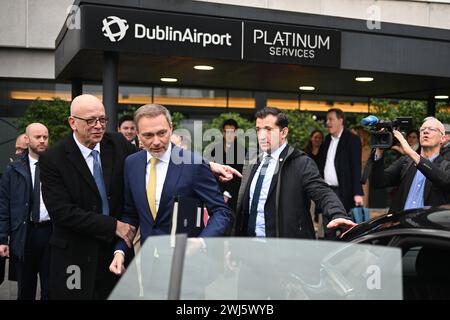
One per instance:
(255,199)
(98,177)
(36,205)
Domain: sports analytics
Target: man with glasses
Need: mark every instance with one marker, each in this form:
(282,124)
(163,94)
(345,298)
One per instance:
(423,180)
(82,185)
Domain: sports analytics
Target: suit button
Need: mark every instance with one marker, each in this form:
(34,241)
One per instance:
(26,204)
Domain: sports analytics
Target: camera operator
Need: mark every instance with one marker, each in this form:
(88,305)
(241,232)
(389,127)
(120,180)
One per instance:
(423,180)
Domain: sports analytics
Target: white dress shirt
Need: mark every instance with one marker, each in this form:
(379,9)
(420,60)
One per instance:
(86,152)
(43,213)
(161,171)
(260,229)
(329,171)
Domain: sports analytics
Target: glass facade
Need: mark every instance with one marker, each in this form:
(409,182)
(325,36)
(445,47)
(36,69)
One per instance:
(15,97)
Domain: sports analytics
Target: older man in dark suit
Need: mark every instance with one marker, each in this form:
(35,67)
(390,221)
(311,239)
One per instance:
(340,163)
(82,184)
(340,160)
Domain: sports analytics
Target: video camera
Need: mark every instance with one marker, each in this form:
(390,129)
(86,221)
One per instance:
(384,139)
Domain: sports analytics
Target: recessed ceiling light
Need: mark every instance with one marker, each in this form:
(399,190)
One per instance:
(169,79)
(364,79)
(205,68)
(441,97)
(307,88)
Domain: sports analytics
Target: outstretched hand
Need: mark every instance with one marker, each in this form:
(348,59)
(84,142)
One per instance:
(223,172)
(345,224)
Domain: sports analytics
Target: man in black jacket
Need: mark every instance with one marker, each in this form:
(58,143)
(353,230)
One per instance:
(340,160)
(423,180)
(275,191)
(82,185)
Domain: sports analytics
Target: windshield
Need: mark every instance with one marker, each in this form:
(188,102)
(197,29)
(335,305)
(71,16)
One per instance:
(259,269)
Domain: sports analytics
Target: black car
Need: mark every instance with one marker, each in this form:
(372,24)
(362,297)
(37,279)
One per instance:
(424,238)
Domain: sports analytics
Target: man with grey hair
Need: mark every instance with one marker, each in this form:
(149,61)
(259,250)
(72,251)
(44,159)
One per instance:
(423,180)
(155,178)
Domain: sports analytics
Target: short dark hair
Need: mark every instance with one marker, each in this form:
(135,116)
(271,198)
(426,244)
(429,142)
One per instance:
(124,118)
(282,120)
(230,122)
(339,113)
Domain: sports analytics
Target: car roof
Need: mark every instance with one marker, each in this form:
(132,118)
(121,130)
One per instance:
(423,220)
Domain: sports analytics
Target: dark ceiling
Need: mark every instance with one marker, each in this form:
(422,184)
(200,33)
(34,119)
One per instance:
(146,69)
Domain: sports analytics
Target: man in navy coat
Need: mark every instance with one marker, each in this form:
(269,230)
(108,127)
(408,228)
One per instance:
(24,217)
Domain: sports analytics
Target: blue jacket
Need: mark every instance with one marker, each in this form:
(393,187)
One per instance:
(193,179)
(15,204)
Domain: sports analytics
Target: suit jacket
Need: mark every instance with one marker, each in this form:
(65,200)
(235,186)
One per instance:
(348,166)
(83,238)
(193,179)
(286,209)
(401,173)
(15,205)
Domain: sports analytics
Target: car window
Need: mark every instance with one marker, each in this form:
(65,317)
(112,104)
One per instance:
(426,265)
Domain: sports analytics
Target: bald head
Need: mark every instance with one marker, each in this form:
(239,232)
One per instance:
(83,102)
(21,144)
(35,127)
(36,135)
(87,119)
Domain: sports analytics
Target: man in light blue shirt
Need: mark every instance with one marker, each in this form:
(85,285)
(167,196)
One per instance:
(423,180)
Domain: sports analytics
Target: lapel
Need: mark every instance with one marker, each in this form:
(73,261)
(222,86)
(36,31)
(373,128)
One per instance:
(107,156)
(76,158)
(138,173)
(409,177)
(339,148)
(428,184)
(326,145)
(170,183)
(247,179)
(23,168)
(276,173)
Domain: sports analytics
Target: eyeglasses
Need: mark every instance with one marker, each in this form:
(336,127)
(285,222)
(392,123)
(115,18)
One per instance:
(431,129)
(93,121)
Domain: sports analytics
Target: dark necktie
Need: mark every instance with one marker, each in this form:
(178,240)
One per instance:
(98,177)
(35,210)
(255,199)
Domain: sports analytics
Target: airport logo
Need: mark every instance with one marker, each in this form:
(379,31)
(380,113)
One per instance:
(114,28)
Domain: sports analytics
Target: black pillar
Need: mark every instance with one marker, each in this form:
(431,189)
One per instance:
(431,107)
(77,88)
(111,88)
(260,100)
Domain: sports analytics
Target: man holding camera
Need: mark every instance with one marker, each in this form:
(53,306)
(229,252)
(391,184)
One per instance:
(423,180)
